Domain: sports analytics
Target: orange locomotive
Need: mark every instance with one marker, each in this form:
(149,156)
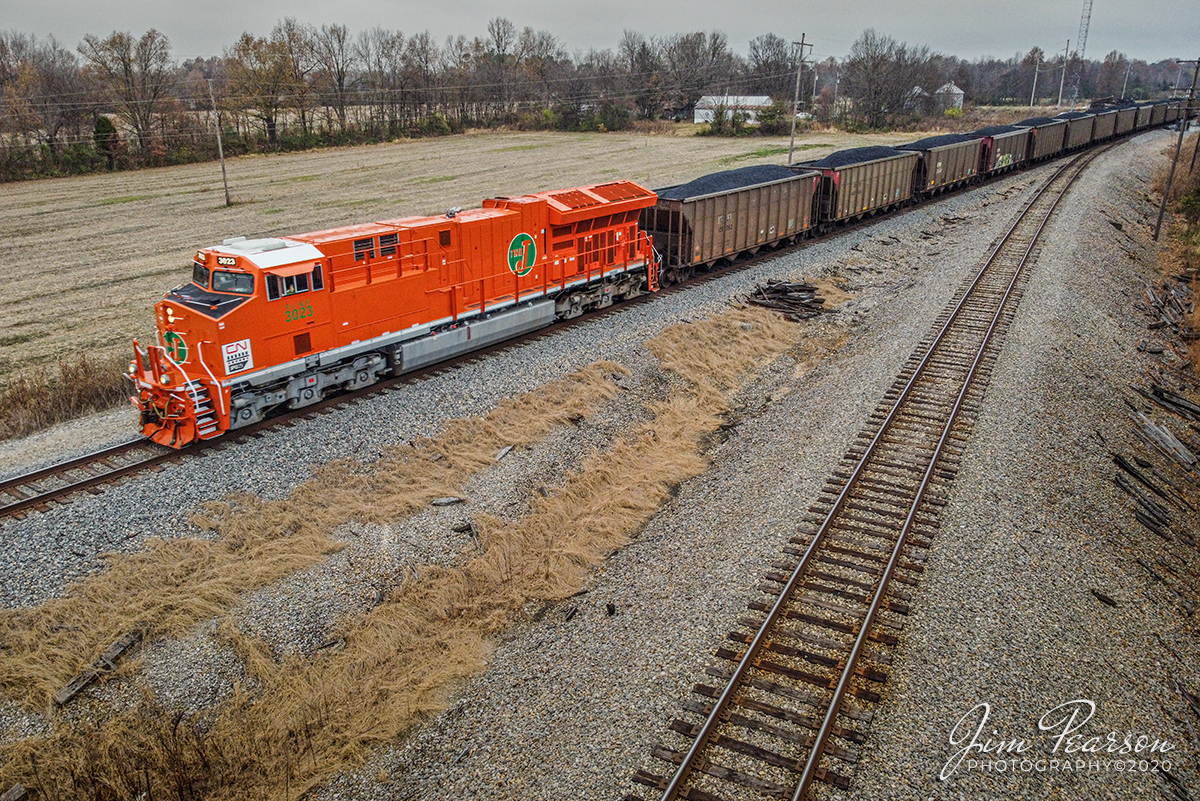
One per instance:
(277,322)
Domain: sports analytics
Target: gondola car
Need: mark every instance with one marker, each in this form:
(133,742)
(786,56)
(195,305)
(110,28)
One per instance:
(1005,147)
(1105,125)
(861,182)
(1047,136)
(1079,129)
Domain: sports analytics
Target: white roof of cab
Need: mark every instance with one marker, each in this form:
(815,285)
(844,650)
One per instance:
(269,252)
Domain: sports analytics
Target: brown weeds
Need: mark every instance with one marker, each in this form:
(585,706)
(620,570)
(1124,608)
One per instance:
(171,585)
(312,716)
(35,399)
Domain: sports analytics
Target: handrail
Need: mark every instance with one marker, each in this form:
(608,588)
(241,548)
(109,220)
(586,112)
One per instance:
(216,384)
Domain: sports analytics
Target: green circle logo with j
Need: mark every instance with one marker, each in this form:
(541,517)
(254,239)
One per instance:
(522,253)
(176,347)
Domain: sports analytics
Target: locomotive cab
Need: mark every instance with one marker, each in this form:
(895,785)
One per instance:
(184,381)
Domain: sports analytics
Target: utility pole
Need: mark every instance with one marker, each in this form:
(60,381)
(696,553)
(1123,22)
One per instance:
(1036,65)
(796,99)
(1183,126)
(220,147)
(1128,69)
(1062,80)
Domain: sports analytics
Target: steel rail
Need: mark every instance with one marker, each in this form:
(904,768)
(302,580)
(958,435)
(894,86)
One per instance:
(70,464)
(58,493)
(707,729)
(277,421)
(814,757)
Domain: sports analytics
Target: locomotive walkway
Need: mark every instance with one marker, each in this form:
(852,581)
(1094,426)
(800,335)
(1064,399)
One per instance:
(792,706)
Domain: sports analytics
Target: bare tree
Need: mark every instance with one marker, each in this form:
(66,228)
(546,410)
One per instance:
(1111,74)
(542,60)
(259,79)
(772,66)
(381,54)
(881,72)
(642,62)
(425,66)
(296,40)
(502,36)
(136,75)
(336,61)
(698,64)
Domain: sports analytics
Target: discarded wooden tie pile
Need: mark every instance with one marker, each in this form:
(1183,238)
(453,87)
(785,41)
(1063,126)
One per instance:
(796,301)
(1171,304)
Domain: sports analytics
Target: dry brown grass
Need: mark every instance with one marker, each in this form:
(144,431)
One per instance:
(713,355)
(34,399)
(310,717)
(1180,254)
(170,585)
(166,588)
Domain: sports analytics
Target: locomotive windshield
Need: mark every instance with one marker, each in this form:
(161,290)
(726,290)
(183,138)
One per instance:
(238,283)
(199,275)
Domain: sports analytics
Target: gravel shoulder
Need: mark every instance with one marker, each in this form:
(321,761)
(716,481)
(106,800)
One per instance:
(574,698)
(1006,614)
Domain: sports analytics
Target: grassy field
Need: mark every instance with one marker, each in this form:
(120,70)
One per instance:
(85,258)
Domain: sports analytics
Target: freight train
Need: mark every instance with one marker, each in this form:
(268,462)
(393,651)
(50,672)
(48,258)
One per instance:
(280,322)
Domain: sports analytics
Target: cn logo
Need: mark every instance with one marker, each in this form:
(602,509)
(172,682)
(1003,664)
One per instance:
(238,356)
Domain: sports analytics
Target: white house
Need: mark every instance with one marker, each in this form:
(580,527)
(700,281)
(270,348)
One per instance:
(750,105)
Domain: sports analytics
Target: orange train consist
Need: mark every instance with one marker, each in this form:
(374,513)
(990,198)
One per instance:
(274,322)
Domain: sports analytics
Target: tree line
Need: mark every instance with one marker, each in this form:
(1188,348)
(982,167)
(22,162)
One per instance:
(123,101)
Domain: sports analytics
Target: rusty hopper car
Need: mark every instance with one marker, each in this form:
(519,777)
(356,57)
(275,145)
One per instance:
(1105,125)
(861,181)
(1172,112)
(1125,119)
(1047,136)
(1143,116)
(1005,147)
(1158,113)
(1079,128)
(721,215)
(948,161)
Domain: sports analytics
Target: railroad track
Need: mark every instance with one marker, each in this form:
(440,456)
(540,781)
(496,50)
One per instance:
(790,702)
(88,473)
(36,491)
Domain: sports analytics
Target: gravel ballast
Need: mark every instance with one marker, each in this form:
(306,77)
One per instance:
(46,552)
(1006,614)
(574,698)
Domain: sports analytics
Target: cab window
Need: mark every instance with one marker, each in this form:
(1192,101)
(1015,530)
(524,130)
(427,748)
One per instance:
(281,286)
(238,283)
(199,275)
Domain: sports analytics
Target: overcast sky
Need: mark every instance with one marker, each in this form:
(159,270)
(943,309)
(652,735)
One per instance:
(1144,29)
